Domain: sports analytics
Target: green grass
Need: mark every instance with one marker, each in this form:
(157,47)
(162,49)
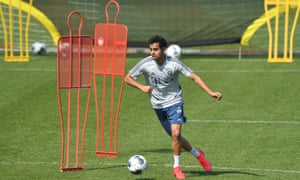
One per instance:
(253,133)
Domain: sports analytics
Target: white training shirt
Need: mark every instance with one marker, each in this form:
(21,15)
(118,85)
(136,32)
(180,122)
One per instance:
(164,80)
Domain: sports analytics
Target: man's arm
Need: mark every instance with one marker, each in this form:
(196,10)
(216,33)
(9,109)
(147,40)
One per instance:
(202,84)
(130,81)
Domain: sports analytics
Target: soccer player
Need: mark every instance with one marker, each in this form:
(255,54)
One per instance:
(161,74)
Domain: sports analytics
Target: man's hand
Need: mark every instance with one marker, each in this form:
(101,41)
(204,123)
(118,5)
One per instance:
(217,95)
(147,89)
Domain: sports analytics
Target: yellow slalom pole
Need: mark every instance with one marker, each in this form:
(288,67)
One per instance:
(4,33)
(38,15)
(276,32)
(22,33)
(20,29)
(269,30)
(293,29)
(27,30)
(10,30)
(287,34)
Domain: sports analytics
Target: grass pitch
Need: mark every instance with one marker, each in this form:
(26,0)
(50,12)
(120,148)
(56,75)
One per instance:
(253,133)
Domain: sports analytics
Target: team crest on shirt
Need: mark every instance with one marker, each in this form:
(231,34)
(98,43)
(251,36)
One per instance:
(168,71)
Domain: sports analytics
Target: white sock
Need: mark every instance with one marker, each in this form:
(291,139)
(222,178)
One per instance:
(176,161)
(195,152)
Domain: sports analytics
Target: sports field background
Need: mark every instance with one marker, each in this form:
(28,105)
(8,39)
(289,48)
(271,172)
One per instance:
(201,22)
(253,133)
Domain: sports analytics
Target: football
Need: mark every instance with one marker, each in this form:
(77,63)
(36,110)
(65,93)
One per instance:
(173,51)
(39,48)
(137,164)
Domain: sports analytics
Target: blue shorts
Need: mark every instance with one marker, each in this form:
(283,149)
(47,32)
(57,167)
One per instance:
(171,115)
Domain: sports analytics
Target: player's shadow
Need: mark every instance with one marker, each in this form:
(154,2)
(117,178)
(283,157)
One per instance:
(161,150)
(217,173)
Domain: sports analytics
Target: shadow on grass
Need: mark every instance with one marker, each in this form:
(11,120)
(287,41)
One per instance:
(217,173)
(106,167)
(161,150)
(116,166)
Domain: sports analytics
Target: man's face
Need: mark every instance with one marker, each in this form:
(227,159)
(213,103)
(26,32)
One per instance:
(156,52)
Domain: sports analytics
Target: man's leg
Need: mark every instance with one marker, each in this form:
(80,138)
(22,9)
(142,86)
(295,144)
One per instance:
(180,142)
(176,146)
(177,140)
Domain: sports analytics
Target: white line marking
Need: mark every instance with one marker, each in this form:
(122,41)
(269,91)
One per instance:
(256,169)
(251,71)
(216,167)
(28,163)
(244,121)
(157,165)
(199,71)
(28,69)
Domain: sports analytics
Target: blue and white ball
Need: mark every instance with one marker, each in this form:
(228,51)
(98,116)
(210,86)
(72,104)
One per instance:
(173,51)
(137,164)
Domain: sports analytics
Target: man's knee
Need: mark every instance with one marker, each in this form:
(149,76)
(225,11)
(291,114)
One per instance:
(176,137)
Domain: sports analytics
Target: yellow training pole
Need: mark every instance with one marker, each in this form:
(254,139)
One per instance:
(288,32)
(4,32)
(10,46)
(26,32)
(20,29)
(11,37)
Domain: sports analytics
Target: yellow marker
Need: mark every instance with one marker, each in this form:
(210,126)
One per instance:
(31,11)
(288,33)
(9,45)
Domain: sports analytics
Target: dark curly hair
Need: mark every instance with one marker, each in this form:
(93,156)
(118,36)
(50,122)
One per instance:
(158,39)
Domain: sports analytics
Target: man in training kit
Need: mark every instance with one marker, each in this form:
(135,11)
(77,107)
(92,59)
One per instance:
(161,74)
